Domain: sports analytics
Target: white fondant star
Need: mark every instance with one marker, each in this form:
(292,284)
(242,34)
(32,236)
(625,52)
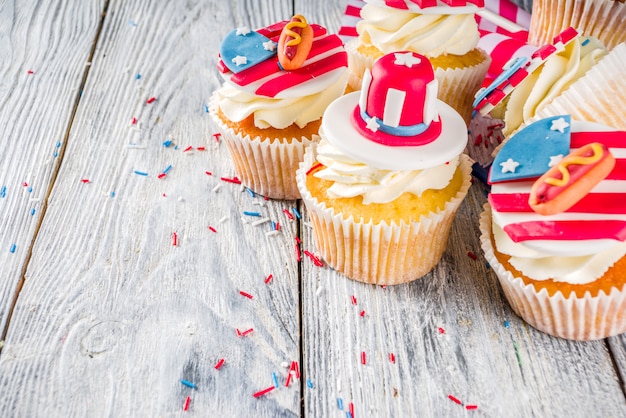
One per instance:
(559,125)
(407,59)
(509,166)
(555,159)
(240,60)
(243,30)
(269,46)
(372,125)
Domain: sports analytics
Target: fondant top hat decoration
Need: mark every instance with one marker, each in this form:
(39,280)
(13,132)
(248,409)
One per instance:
(396,121)
(398,101)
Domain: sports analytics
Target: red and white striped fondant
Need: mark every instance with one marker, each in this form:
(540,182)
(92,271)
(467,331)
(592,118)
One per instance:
(326,60)
(597,220)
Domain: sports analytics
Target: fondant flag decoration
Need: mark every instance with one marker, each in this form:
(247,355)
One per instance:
(533,150)
(598,219)
(243,48)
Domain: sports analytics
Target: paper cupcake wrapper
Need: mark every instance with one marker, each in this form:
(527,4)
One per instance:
(383,253)
(598,96)
(457,86)
(603,19)
(265,165)
(574,318)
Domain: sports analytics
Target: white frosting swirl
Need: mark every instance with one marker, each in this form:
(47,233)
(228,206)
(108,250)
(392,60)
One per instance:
(573,270)
(390,29)
(352,178)
(555,76)
(237,104)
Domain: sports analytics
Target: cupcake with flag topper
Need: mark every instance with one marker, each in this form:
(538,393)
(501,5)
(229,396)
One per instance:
(444,31)
(383,185)
(554,230)
(278,80)
(528,84)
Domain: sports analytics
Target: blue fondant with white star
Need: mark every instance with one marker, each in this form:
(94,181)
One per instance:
(242,49)
(533,150)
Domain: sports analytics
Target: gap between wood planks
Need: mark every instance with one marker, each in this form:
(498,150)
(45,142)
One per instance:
(55,172)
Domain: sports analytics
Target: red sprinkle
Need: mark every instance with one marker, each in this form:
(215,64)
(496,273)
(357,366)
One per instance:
(31,72)
(25,184)
(267,280)
(497,125)
(471,406)
(288,380)
(277,226)
(174,239)
(217,136)
(248,295)
(362,313)
(289,215)
(315,260)
(208,173)
(187,402)
(201,148)
(212,229)
(453,399)
(353,298)
(220,363)
(441,330)
(363,357)
(351,408)
(189,148)
(298,253)
(151,99)
(246,332)
(298,240)
(160,176)
(315,167)
(294,367)
(392,358)
(233,180)
(264,391)
(134,121)
(85,180)
(472,255)
(478,139)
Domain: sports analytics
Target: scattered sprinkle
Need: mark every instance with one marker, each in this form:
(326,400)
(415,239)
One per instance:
(250,192)
(268,278)
(441,330)
(174,239)
(32,211)
(471,406)
(506,324)
(248,295)
(217,136)
(133,121)
(392,358)
(272,233)
(472,255)
(340,403)
(212,229)
(353,299)
(229,180)
(141,173)
(219,364)
(246,332)
(208,173)
(167,143)
(217,187)
(13,248)
(261,221)
(314,258)
(247,213)
(289,215)
(206,108)
(132,23)
(362,313)
(275,377)
(187,402)
(201,149)
(112,194)
(297,248)
(31,72)
(264,391)
(3,191)
(453,399)
(309,384)
(187,383)
(150,100)
(351,408)
(189,148)
(295,212)
(363,357)
(223,219)
(137,76)
(85,181)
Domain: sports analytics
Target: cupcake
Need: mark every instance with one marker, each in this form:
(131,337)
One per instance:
(603,19)
(528,84)
(599,95)
(383,185)
(554,230)
(278,81)
(447,35)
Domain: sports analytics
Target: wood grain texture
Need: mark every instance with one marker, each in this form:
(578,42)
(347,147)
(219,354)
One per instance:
(44,50)
(113,315)
(447,334)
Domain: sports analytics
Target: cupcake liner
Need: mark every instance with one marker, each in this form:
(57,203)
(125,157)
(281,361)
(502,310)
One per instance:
(598,96)
(574,318)
(380,253)
(457,86)
(603,19)
(265,165)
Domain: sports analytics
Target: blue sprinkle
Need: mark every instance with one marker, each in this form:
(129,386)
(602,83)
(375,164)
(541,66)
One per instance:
(32,211)
(250,192)
(340,403)
(487,265)
(167,143)
(132,22)
(175,146)
(56,154)
(585,42)
(59,144)
(309,384)
(506,324)
(275,380)
(273,226)
(138,76)
(206,108)
(348,414)
(13,248)
(168,168)
(187,383)
(295,212)
(252,213)
(3,192)
(112,194)
(141,173)
(30,190)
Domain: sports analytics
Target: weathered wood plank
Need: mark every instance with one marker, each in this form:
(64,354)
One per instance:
(42,61)
(113,315)
(448,336)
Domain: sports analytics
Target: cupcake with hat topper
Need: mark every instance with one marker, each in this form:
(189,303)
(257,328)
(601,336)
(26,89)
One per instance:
(383,185)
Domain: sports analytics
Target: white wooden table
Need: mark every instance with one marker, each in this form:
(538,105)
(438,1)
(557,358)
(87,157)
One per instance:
(117,283)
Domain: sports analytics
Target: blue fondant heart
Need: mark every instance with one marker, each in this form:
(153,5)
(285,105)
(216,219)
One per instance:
(240,52)
(528,153)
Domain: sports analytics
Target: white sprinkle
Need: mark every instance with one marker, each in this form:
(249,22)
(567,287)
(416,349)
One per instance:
(284,364)
(261,221)
(216,188)
(272,233)
(224,219)
(259,203)
(319,291)
(181,199)
(243,188)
